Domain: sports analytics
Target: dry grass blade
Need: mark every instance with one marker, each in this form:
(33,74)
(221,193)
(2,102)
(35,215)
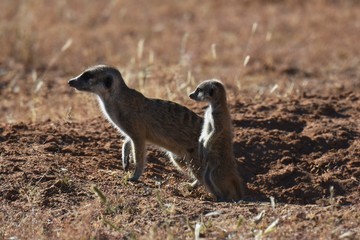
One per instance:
(273,89)
(348,234)
(67,44)
(259,217)
(332,195)
(99,193)
(215,213)
(272,226)
(246,60)
(272,201)
(197,230)
(140,49)
(112,225)
(213,51)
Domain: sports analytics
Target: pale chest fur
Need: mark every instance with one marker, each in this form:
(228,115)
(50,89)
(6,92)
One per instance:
(111,117)
(208,125)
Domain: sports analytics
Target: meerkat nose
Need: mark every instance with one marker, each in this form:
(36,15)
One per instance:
(72,82)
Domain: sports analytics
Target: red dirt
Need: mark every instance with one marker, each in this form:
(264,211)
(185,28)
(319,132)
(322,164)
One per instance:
(295,109)
(292,150)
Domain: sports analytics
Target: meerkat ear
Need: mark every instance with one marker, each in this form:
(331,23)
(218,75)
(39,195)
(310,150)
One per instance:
(108,81)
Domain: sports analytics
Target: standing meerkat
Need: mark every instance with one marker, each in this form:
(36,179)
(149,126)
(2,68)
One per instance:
(141,120)
(221,177)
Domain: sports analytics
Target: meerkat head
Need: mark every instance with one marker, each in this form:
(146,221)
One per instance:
(209,91)
(100,80)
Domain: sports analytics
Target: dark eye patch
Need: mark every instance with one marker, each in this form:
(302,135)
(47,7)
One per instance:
(108,82)
(211,92)
(86,76)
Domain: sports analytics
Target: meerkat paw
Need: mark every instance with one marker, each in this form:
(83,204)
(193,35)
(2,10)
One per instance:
(134,179)
(137,174)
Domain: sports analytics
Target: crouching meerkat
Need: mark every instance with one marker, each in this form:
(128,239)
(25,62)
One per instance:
(142,120)
(221,177)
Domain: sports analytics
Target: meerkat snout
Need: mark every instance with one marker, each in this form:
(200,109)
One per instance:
(73,83)
(197,95)
(192,96)
(81,82)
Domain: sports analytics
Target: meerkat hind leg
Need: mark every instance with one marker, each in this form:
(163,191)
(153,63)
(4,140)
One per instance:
(181,163)
(178,162)
(210,184)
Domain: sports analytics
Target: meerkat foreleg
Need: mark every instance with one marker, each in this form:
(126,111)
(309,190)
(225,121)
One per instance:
(126,153)
(201,151)
(211,138)
(138,153)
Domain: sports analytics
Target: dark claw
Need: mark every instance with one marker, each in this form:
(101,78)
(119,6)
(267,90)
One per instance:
(134,179)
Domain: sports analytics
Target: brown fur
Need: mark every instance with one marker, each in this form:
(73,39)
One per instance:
(141,120)
(221,177)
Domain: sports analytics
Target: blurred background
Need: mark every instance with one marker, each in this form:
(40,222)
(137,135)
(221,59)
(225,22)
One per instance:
(260,49)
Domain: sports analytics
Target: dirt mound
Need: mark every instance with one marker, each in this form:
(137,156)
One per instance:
(294,150)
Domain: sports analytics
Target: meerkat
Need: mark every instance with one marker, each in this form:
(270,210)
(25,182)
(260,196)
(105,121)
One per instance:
(144,120)
(221,177)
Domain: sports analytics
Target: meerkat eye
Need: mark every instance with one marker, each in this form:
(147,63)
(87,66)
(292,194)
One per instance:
(86,76)
(108,82)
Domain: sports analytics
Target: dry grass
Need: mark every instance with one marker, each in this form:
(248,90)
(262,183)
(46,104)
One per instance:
(263,48)
(112,220)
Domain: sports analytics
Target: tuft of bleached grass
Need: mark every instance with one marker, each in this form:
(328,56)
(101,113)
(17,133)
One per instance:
(332,195)
(184,59)
(39,81)
(347,235)
(151,57)
(246,60)
(214,213)
(268,36)
(274,88)
(213,51)
(197,230)
(246,56)
(272,226)
(272,201)
(99,194)
(140,49)
(261,233)
(257,219)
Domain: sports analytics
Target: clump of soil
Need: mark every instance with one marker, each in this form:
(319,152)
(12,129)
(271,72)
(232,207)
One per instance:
(304,150)
(294,150)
